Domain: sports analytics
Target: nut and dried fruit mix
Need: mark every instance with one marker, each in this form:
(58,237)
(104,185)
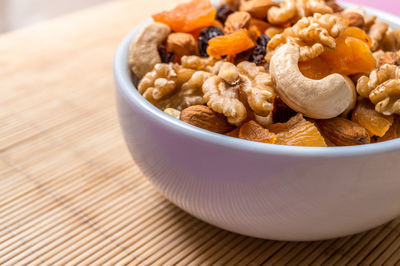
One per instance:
(294,72)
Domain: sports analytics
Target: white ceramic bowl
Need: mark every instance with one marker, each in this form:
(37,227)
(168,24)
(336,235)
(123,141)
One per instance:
(261,190)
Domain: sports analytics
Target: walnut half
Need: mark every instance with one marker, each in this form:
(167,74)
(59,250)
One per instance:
(312,34)
(235,90)
(382,87)
(177,86)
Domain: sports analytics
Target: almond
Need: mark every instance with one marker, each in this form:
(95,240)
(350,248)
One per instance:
(258,8)
(181,44)
(237,21)
(203,117)
(355,19)
(335,6)
(343,132)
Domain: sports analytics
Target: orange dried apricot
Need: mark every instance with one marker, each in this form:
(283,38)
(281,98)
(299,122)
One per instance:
(365,115)
(255,132)
(189,16)
(393,132)
(298,132)
(230,44)
(352,55)
(358,33)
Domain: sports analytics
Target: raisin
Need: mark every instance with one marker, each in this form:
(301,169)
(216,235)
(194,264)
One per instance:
(205,35)
(281,113)
(260,51)
(223,12)
(166,56)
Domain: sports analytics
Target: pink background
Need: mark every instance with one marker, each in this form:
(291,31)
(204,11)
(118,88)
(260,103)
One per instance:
(391,6)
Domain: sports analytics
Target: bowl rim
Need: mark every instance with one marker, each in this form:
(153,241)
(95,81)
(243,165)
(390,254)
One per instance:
(129,91)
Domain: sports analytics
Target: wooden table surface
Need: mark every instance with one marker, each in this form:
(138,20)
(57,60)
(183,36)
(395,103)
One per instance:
(69,191)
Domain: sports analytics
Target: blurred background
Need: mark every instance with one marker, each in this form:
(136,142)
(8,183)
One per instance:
(18,13)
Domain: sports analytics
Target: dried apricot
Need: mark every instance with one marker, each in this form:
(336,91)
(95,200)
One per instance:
(393,132)
(255,132)
(189,16)
(352,55)
(358,34)
(298,132)
(365,115)
(230,44)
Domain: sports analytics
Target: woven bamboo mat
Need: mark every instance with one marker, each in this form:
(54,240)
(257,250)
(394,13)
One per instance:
(70,193)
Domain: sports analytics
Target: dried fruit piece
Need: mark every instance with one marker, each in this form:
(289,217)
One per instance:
(365,115)
(358,34)
(297,132)
(254,132)
(282,112)
(204,37)
(203,117)
(230,44)
(343,132)
(393,132)
(165,56)
(260,50)
(189,16)
(223,11)
(351,56)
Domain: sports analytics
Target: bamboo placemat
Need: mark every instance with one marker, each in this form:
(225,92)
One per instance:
(70,193)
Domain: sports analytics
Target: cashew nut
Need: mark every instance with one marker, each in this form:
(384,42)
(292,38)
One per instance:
(319,99)
(143,53)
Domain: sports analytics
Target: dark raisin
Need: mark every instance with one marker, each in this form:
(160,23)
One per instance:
(205,35)
(166,56)
(282,112)
(243,56)
(223,12)
(260,50)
